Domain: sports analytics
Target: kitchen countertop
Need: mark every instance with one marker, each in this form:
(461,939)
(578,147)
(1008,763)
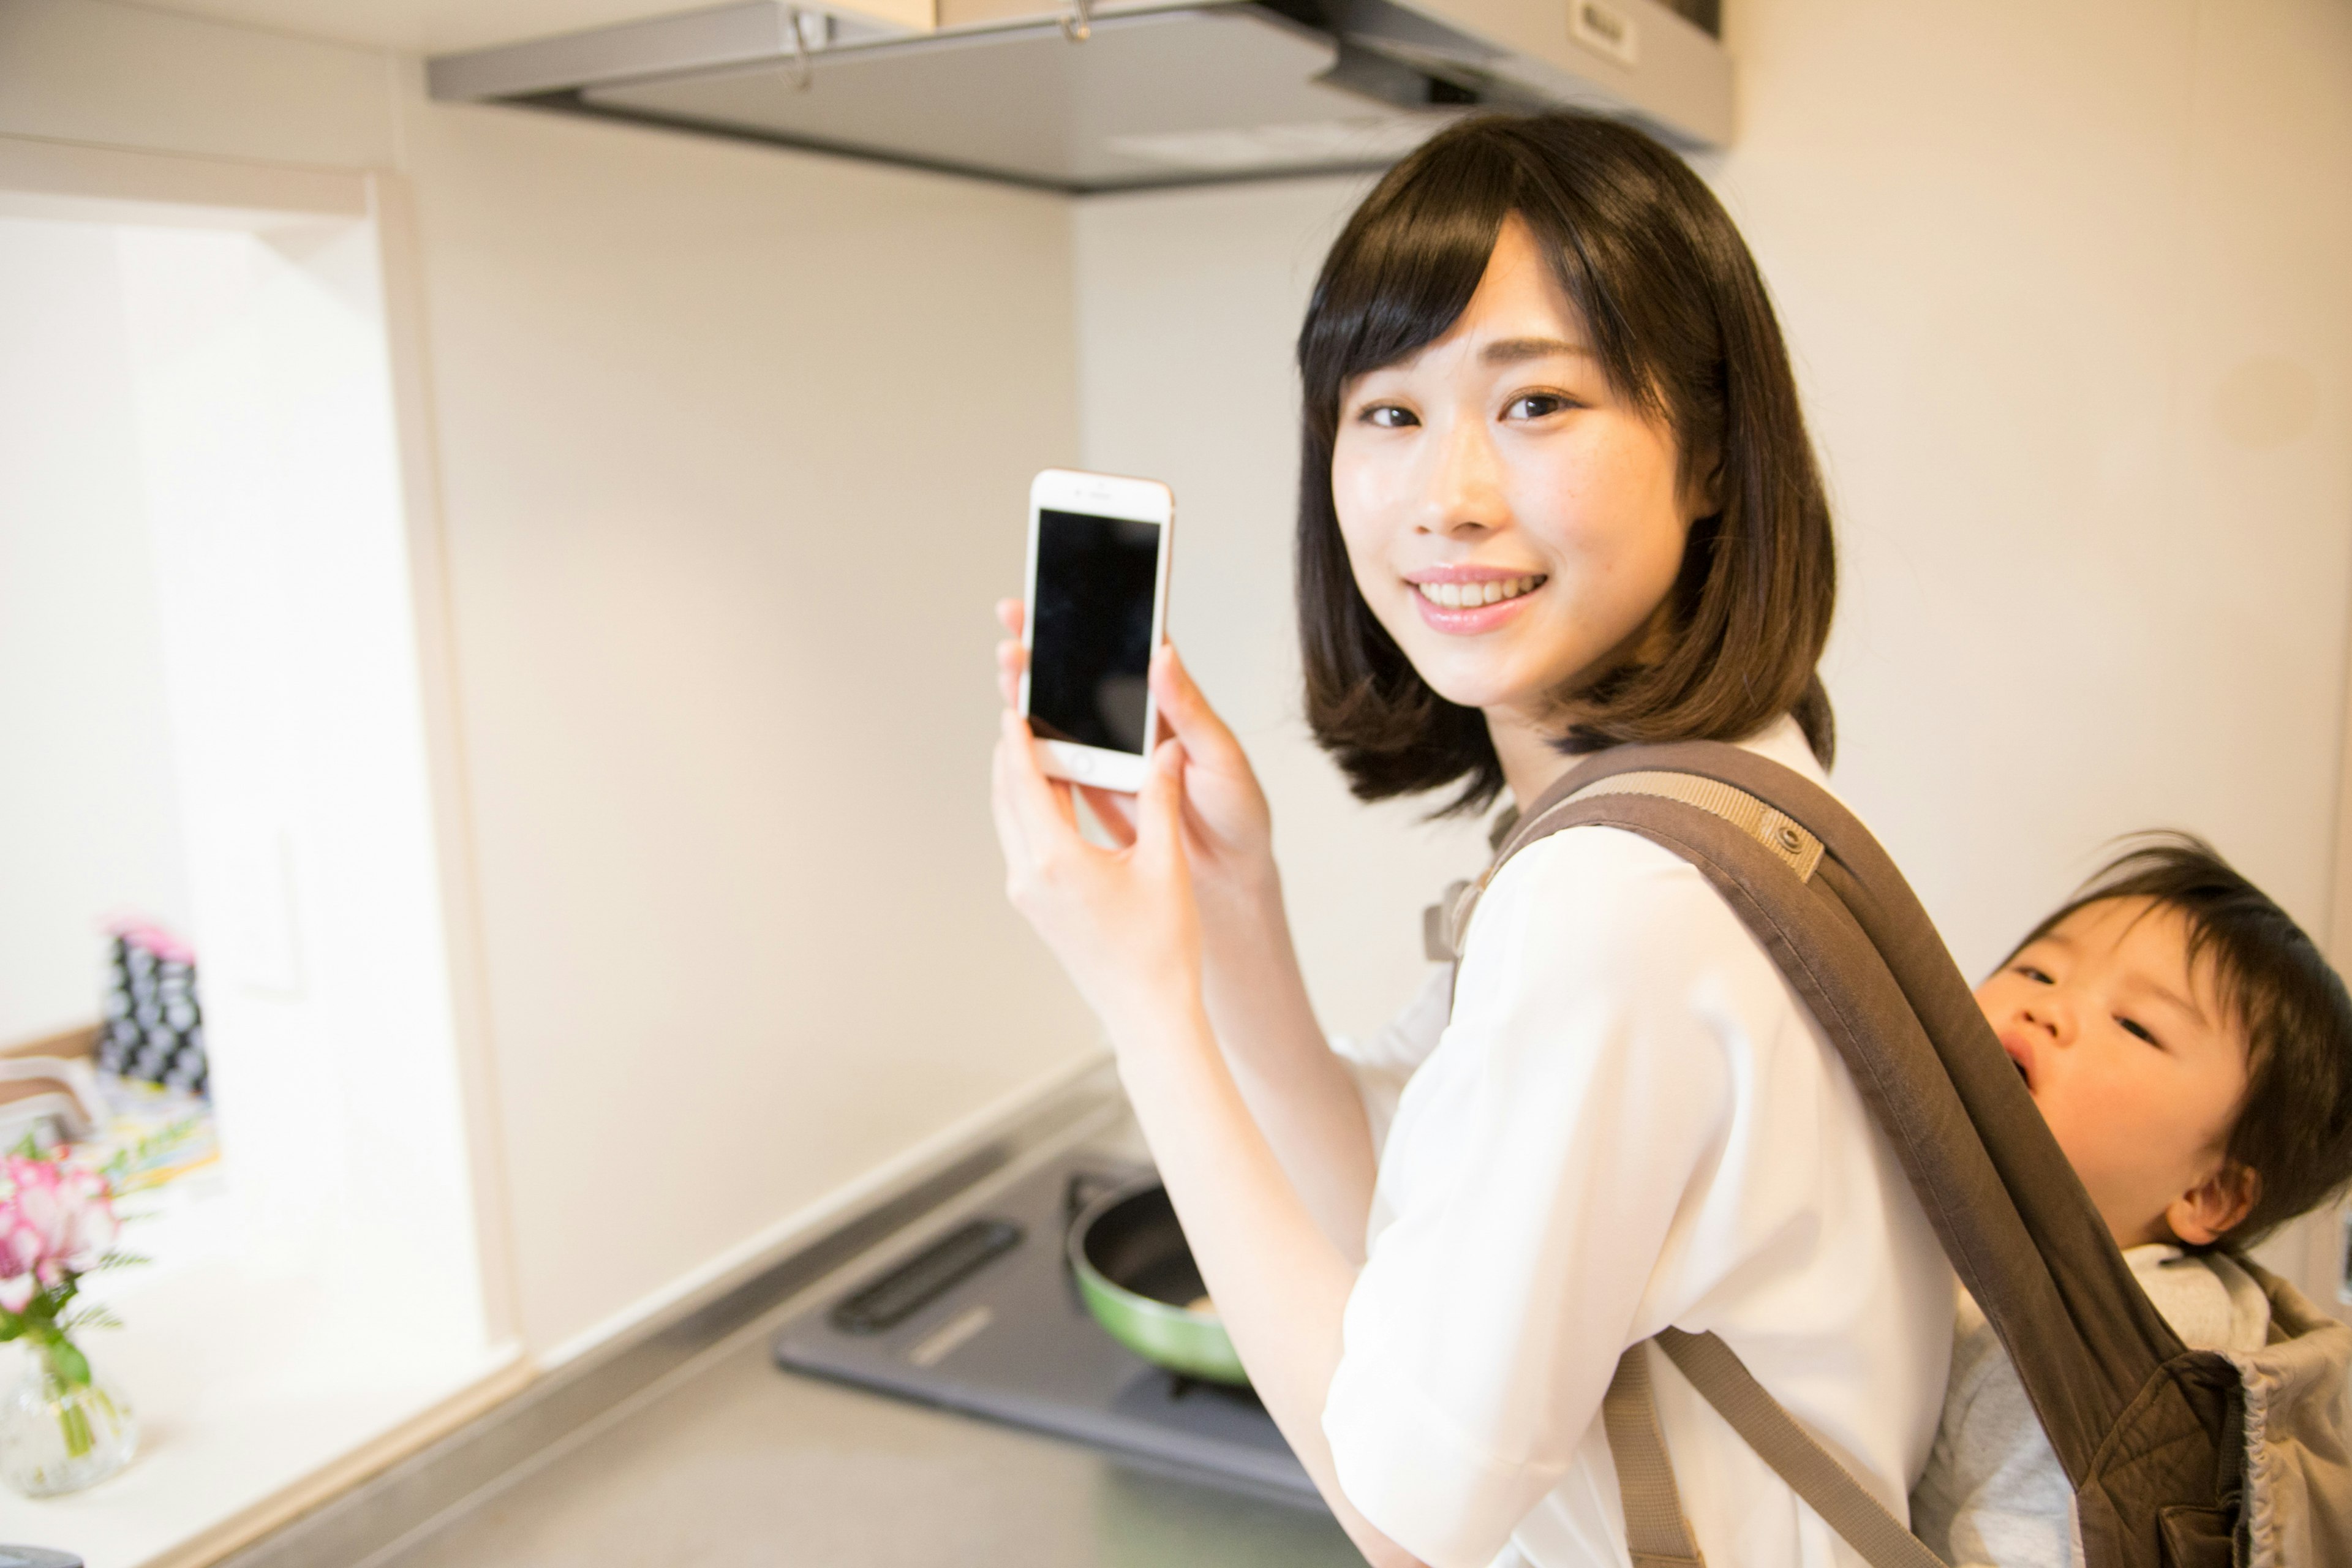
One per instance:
(239,1405)
(742,1464)
(722,1458)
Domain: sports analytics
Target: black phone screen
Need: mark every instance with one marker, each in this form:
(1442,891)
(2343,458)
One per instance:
(1090,644)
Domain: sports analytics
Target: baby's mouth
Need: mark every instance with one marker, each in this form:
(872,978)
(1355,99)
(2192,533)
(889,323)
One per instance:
(1471,595)
(2020,1056)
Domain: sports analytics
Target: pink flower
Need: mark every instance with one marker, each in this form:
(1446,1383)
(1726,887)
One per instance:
(56,1219)
(20,1249)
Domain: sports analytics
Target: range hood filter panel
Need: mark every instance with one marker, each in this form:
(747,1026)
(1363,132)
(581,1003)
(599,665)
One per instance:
(1150,98)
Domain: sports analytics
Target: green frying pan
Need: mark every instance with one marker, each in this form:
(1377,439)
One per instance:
(1138,1277)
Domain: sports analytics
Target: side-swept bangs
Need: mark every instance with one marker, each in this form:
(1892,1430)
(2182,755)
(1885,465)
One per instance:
(1678,316)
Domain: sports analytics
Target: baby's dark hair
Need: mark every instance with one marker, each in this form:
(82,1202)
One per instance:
(2295,1126)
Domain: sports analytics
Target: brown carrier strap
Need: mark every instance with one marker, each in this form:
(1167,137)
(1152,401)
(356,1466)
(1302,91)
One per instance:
(2133,1419)
(1656,1533)
(1778,1439)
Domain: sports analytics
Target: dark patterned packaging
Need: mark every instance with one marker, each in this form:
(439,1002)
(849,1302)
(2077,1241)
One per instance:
(154,1027)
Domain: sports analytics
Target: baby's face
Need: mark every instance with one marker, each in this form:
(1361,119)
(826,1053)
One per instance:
(2134,1064)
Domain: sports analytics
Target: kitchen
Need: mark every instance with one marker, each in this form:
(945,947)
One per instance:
(2078,265)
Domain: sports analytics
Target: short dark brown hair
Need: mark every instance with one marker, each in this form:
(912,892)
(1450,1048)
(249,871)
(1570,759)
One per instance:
(2294,1128)
(1679,317)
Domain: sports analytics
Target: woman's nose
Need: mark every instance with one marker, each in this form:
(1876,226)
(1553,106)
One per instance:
(1465,492)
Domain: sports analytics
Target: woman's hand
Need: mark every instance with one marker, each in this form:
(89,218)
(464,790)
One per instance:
(1121,920)
(1227,953)
(1228,832)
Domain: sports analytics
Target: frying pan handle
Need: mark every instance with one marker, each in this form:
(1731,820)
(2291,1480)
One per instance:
(1084,1187)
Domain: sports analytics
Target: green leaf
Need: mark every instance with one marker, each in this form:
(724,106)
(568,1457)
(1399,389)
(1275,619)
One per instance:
(26,1148)
(11,1325)
(73,1425)
(71,1366)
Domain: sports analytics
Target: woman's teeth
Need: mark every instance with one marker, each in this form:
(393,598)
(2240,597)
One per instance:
(1470,596)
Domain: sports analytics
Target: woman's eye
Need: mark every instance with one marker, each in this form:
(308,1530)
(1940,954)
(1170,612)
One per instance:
(2035,974)
(1536,406)
(1388,416)
(2133,1027)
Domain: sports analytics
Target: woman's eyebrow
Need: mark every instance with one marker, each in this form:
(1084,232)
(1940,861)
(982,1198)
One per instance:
(1511,350)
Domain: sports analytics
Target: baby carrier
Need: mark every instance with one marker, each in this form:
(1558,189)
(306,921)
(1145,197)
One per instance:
(2178,1458)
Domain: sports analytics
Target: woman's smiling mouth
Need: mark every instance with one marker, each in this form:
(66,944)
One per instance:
(1464,600)
(1469,596)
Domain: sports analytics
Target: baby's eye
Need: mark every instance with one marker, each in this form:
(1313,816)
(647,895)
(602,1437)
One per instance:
(2133,1027)
(1536,406)
(2035,974)
(1388,416)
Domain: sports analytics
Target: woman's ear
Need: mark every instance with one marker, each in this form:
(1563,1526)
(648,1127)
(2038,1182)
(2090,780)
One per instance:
(1703,490)
(2210,1210)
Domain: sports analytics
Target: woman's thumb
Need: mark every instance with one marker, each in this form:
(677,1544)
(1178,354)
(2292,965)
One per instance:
(1188,712)
(1160,808)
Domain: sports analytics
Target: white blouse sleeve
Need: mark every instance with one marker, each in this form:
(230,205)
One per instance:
(1382,1065)
(1552,1151)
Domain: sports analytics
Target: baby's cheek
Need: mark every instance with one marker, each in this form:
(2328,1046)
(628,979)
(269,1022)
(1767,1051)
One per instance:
(2081,1136)
(1993,999)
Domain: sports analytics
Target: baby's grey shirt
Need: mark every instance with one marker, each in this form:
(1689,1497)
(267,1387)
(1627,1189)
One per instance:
(1993,1494)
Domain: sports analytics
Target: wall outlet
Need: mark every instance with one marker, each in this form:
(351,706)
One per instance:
(1605,30)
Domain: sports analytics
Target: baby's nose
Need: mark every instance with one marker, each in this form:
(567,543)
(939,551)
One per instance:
(2048,1014)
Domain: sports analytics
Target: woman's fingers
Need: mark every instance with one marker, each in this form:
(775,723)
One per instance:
(1010,833)
(1159,811)
(1042,807)
(1012,658)
(1205,737)
(1115,811)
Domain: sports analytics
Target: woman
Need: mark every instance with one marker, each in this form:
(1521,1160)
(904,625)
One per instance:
(1555,493)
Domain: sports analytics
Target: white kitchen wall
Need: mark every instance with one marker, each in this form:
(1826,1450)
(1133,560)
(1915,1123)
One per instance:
(731,451)
(734,447)
(2065,289)
(89,825)
(2066,285)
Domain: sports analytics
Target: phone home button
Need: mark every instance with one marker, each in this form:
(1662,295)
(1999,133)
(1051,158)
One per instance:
(1081,766)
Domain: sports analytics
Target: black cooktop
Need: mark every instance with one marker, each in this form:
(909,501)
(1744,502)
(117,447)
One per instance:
(987,1321)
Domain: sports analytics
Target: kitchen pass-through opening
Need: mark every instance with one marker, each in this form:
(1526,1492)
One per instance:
(220,714)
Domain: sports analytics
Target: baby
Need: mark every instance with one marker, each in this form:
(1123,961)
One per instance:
(2192,1052)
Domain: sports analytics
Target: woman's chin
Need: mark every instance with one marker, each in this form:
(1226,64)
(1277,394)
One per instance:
(1472,678)
(1471,692)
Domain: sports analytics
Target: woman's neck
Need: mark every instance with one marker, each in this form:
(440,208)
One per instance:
(1530,752)
(1527,739)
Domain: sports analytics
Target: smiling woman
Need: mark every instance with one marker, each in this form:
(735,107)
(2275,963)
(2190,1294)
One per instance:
(1596,357)
(1500,454)
(1556,494)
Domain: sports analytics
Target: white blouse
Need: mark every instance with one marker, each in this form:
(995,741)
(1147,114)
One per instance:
(1630,1121)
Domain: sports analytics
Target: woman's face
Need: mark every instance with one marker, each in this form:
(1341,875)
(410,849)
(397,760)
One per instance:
(1514,523)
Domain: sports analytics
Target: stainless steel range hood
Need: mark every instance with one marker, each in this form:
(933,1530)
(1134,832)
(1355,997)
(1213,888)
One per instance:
(1122,94)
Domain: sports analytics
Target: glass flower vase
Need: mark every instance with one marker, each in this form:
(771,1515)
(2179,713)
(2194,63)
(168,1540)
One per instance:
(57,1435)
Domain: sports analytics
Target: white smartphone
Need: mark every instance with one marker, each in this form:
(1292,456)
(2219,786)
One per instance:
(1098,550)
